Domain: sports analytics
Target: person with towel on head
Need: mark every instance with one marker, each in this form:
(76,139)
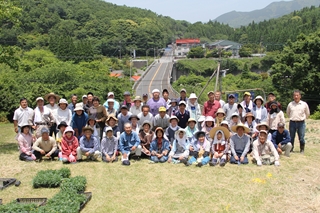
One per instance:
(220,116)
(69,144)
(159,147)
(146,136)
(220,146)
(180,147)
(239,144)
(207,125)
(111,110)
(109,146)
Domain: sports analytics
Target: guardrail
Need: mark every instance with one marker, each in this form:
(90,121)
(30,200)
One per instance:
(135,85)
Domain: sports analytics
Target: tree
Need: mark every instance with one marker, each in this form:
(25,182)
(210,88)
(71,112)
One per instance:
(245,52)
(196,52)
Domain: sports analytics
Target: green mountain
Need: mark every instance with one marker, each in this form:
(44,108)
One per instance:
(274,10)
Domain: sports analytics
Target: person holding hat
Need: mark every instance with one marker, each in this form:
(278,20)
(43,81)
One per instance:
(41,117)
(146,136)
(69,144)
(247,103)
(99,112)
(145,99)
(116,104)
(162,119)
(173,108)
(241,113)
(25,141)
(235,120)
(45,146)
(63,113)
(282,140)
(123,117)
(207,125)
(134,123)
(211,106)
(156,102)
(159,147)
(191,129)
(264,152)
(220,115)
(79,120)
(259,111)
(136,108)
(52,100)
(21,115)
(89,145)
(165,95)
(173,127)
(230,107)
(239,144)
(183,96)
(180,147)
(272,98)
(92,123)
(127,100)
(183,115)
(251,124)
(219,147)
(193,107)
(145,115)
(199,151)
(129,144)
(112,122)
(109,146)
(274,117)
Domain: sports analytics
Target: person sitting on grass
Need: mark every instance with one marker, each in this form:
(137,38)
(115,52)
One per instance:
(25,140)
(93,124)
(159,147)
(109,146)
(45,146)
(112,122)
(282,140)
(146,136)
(251,124)
(199,151)
(129,144)
(264,126)
(239,144)
(79,120)
(134,123)
(173,127)
(69,144)
(89,145)
(220,146)
(264,152)
(191,129)
(180,147)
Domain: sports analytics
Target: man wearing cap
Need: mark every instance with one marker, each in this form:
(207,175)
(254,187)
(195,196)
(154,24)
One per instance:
(156,102)
(230,107)
(41,117)
(79,120)
(127,100)
(144,99)
(165,95)
(45,146)
(183,96)
(211,106)
(73,103)
(272,98)
(298,111)
(240,144)
(161,120)
(217,96)
(116,105)
(129,144)
(136,108)
(145,115)
(264,152)
(21,115)
(63,113)
(282,140)
(247,103)
(52,99)
(183,115)
(123,117)
(89,145)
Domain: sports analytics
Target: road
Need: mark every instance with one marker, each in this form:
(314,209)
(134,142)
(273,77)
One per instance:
(158,77)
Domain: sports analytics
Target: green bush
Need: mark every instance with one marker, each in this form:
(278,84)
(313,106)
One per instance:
(316,114)
(77,184)
(17,207)
(50,178)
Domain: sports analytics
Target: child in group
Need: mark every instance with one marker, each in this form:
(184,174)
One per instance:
(109,146)
(112,122)
(25,140)
(220,146)
(159,147)
(235,120)
(69,144)
(199,151)
(220,115)
(173,127)
(96,130)
(180,147)
(207,126)
(252,125)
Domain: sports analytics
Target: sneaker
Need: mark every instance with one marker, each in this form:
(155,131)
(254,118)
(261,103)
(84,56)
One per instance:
(184,161)
(126,163)
(222,163)
(212,164)
(199,165)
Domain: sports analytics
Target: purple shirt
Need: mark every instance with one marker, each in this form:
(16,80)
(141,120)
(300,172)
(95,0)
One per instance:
(155,105)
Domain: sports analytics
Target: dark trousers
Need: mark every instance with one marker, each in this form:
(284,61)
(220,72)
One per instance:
(53,129)
(233,160)
(25,157)
(39,155)
(297,127)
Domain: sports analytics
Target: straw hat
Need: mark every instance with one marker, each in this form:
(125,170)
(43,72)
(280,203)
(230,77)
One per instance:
(249,114)
(234,128)
(87,128)
(173,117)
(113,117)
(258,98)
(137,98)
(47,96)
(192,120)
(225,131)
(220,110)
(262,124)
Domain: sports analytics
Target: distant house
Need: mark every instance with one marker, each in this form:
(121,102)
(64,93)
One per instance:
(226,45)
(183,46)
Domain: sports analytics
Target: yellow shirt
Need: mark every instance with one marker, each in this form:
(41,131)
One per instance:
(298,111)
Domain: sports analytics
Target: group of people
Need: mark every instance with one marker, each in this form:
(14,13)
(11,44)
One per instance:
(160,129)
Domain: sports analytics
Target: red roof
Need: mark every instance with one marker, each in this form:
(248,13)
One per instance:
(135,77)
(188,41)
(115,74)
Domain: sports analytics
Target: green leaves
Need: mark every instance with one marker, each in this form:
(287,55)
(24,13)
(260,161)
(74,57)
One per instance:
(76,184)
(50,178)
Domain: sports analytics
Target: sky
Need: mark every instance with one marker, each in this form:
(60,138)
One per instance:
(195,10)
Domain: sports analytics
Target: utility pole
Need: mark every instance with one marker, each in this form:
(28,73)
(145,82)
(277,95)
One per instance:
(211,77)
(217,77)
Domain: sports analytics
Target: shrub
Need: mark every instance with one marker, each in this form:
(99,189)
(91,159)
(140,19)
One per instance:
(316,114)
(77,184)
(50,178)
(17,207)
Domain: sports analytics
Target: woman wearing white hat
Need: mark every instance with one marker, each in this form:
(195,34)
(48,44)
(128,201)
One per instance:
(63,113)
(193,107)
(259,111)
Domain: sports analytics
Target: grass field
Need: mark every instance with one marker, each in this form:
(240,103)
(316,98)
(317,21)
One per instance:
(144,187)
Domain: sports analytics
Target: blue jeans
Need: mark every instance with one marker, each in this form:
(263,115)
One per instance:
(157,160)
(300,128)
(234,161)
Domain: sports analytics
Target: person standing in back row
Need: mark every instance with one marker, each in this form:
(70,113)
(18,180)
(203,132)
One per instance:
(211,106)
(21,115)
(156,102)
(298,111)
(230,107)
(217,96)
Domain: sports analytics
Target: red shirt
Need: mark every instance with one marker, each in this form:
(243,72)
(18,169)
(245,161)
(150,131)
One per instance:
(210,108)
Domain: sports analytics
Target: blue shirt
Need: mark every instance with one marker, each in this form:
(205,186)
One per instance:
(282,138)
(116,105)
(183,118)
(90,146)
(79,121)
(127,141)
(71,107)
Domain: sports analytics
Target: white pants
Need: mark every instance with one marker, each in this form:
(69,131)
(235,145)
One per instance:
(136,152)
(93,156)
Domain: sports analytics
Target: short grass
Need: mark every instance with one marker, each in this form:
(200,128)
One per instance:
(143,187)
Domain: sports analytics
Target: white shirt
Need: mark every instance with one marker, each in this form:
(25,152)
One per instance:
(21,115)
(298,111)
(55,106)
(135,110)
(142,118)
(258,113)
(222,103)
(63,115)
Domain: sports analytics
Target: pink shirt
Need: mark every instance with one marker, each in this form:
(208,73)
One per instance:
(210,108)
(25,142)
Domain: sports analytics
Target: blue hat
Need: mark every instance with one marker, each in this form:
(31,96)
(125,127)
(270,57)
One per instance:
(44,130)
(231,95)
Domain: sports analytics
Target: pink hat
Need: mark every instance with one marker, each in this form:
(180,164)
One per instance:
(68,129)
(209,118)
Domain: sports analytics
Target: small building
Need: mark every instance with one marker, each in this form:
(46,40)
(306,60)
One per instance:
(227,45)
(187,42)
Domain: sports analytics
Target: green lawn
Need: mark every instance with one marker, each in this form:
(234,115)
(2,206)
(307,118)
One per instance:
(144,187)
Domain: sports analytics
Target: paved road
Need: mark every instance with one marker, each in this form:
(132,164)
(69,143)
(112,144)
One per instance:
(157,78)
